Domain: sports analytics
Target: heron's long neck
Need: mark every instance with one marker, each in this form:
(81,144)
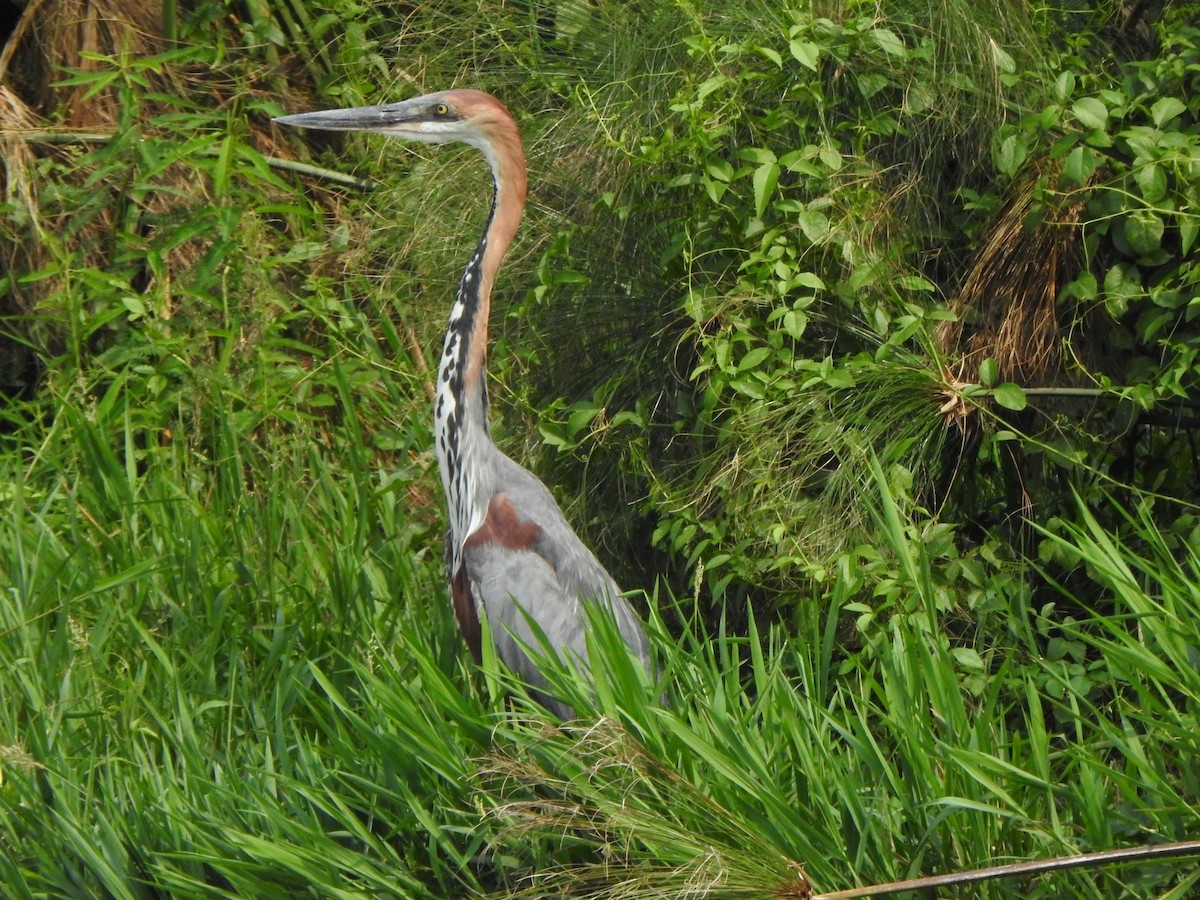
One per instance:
(462,439)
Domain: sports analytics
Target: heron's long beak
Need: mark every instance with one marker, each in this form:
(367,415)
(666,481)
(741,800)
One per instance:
(390,117)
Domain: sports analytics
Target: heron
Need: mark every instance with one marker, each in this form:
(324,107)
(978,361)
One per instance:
(510,554)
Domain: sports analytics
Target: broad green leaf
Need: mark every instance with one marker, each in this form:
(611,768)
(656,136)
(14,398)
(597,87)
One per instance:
(697,306)
(1064,86)
(771,54)
(716,83)
(794,323)
(1124,280)
(754,358)
(1144,232)
(988,372)
(831,157)
(581,419)
(135,305)
(1010,155)
(1091,113)
(1122,283)
(968,658)
(1050,117)
(840,378)
(1010,396)
(1078,167)
(1188,229)
(805,53)
(1083,286)
(917,283)
(871,84)
(765,178)
(750,387)
(1165,109)
(1152,182)
(889,42)
(1001,60)
(814,224)
(719,169)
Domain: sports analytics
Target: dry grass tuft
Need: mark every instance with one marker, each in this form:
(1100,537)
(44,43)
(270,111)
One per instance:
(599,787)
(1007,310)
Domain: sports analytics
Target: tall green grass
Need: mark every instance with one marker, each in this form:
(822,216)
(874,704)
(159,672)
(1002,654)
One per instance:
(177,630)
(918,753)
(234,674)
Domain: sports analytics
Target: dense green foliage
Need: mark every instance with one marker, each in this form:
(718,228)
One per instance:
(862,337)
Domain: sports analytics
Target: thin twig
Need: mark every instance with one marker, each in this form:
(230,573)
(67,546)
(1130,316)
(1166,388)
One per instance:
(321,172)
(53,136)
(1032,867)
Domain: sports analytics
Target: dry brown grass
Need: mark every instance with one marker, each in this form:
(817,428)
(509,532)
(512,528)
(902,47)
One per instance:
(1007,309)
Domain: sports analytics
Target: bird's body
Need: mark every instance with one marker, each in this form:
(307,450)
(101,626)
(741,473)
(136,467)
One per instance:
(510,553)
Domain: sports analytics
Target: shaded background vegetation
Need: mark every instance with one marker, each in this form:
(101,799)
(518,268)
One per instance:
(866,331)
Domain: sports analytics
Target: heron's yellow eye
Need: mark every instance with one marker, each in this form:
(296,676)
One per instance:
(441,110)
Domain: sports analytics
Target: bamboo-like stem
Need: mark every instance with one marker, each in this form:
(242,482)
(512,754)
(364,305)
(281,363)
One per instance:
(1010,870)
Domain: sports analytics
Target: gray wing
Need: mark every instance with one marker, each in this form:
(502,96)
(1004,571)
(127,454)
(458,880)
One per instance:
(525,563)
(516,588)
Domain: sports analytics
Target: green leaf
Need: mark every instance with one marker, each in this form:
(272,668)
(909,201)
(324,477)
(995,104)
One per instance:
(916,283)
(754,358)
(1001,60)
(1078,167)
(719,169)
(1188,229)
(1010,155)
(1122,283)
(968,658)
(135,305)
(1144,232)
(696,304)
(871,84)
(581,419)
(1064,86)
(889,42)
(794,323)
(988,372)
(221,171)
(814,224)
(750,387)
(1091,113)
(765,178)
(840,378)
(1152,182)
(805,53)
(1165,109)
(771,54)
(1010,396)
(831,157)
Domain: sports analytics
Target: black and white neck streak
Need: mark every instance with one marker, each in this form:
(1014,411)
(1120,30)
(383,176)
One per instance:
(461,436)
(461,433)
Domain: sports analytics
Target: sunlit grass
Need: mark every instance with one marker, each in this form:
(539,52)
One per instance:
(235,674)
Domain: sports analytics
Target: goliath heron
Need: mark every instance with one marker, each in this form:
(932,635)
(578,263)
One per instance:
(510,553)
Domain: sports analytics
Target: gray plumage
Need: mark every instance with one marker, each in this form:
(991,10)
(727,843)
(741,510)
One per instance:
(547,582)
(510,554)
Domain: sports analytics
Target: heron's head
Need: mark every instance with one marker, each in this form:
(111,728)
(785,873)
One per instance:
(471,117)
